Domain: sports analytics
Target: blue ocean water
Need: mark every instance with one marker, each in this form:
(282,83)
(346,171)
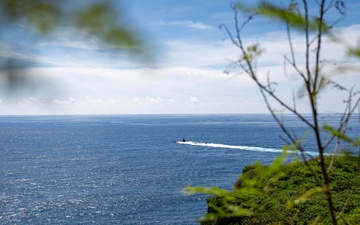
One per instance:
(126,169)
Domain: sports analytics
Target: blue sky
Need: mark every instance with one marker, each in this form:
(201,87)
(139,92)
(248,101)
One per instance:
(80,76)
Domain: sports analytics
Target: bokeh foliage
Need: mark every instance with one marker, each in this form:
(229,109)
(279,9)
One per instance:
(105,21)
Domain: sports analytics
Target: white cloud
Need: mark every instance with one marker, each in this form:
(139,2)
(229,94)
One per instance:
(188,68)
(144,90)
(61,102)
(30,101)
(186,23)
(192,100)
(72,38)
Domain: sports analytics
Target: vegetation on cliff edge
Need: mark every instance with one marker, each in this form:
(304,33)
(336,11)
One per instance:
(281,200)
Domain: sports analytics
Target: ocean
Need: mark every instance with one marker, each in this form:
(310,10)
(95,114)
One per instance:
(127,169)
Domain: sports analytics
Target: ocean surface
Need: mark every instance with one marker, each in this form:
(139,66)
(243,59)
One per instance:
(127,169)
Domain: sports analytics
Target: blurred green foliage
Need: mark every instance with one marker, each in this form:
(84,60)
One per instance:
(289,15)
(354,51)
(100,18)
(42,14)
(104,21)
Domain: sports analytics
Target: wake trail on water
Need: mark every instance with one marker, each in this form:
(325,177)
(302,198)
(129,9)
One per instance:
(241,147)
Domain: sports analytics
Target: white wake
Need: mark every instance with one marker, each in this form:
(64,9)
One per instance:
(240,147)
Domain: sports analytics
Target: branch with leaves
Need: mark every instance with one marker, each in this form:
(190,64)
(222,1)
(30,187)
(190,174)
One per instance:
(315,28)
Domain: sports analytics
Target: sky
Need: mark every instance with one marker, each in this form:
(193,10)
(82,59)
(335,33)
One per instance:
(77,74)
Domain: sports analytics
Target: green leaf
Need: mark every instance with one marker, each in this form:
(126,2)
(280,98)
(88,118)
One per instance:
(305,197)
(356,141)
(120,37)
(204,190)
(97,17)
(289,16)
(40,14)
(239,211)
(354,51)
(342,136)
(100,20)
(44,16)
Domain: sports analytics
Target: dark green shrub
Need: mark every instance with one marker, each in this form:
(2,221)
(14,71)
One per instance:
(283,201)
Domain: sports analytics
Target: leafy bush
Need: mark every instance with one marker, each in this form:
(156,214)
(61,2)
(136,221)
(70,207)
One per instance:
(294,198)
